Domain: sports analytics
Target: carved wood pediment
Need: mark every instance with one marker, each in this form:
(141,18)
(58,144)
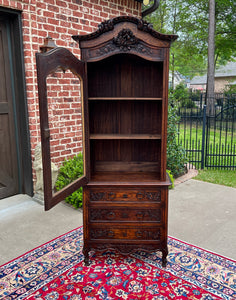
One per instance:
(109,25)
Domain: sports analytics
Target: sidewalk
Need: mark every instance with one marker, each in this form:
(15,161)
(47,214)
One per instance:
(204,214)
(200,213)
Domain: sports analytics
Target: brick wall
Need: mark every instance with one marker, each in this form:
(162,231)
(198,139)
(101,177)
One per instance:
(60,20)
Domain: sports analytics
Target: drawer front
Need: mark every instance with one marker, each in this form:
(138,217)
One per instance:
(151,195)
(125,214)
(126,233)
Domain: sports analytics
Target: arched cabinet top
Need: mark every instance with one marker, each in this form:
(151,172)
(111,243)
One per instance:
(124,35)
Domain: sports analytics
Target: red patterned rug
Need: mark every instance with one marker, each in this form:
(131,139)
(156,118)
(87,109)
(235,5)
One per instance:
(56,271)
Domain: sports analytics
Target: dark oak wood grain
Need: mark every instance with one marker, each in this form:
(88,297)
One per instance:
(125,70)
(127,66)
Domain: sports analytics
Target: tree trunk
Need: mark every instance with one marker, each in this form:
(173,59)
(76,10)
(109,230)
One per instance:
(211,62)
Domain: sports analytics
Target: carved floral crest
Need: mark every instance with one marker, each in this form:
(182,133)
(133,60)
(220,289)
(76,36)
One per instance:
(125,40)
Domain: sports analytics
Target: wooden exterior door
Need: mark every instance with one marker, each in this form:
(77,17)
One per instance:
(8,156)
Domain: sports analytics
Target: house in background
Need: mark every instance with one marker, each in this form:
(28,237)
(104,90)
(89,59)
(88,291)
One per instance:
(224,76)
(198,83)
(24,25)
(178,78)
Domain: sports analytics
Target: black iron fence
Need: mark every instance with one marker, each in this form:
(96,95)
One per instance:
(209,141)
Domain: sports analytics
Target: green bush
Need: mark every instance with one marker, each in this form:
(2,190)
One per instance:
(188,103)
(230,95)
(70,170)
(195,96)
(183,97)
(176,157)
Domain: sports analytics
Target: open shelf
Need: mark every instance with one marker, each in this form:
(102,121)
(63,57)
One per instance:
(125,118)
(126,155)
(124,98)
(125,136)
(125,77)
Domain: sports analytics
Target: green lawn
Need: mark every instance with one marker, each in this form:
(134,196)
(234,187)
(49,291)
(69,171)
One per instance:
(217,136)
(223,177)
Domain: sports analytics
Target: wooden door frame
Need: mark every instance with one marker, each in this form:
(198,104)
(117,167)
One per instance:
(21,121)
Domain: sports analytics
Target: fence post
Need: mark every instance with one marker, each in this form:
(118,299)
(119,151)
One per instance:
(203,137)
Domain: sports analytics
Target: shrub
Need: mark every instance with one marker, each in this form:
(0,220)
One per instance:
(182,95)
(230,94)
(195,96)
(176,158)
(187,103)
(70,170)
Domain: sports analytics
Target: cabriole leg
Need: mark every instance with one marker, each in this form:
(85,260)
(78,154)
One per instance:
(164,255)
(86,256)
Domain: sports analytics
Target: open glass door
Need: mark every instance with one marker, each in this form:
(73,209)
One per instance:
(62,91)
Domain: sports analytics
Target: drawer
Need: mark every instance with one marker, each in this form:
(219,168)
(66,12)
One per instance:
(125,214)
(138,233)
(151,195)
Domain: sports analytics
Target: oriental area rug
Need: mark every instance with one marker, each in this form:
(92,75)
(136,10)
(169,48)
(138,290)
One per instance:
(56,270)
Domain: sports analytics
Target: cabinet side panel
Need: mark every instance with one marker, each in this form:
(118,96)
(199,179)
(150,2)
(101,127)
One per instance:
(165,115)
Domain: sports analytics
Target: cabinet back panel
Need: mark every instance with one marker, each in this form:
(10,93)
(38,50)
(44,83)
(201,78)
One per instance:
(126,155)
(125,117)
(125,76)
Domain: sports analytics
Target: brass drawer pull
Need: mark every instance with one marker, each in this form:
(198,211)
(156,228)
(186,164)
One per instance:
(140,196)
(111,195)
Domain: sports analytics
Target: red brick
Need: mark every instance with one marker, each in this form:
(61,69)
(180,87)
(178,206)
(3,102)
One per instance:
(53,8)
(104,15)
(62,17)
(50,2)
(53,21)
(61,3)
(73,6)
(48,27)
(48,14)
(41,5)
(78,14)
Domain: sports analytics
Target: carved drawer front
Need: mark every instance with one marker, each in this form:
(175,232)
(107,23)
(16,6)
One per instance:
(124,214)
(126,233)
(126,195)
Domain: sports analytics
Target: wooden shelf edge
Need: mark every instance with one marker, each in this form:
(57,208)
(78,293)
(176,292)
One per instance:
(125,136)
(125,98)
(130,184)
(128,179)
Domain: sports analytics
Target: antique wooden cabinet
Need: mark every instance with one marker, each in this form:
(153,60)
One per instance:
(124,70)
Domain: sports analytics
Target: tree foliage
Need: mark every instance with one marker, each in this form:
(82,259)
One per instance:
(189,19)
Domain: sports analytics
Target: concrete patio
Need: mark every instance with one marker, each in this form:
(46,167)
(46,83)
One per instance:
(200,213)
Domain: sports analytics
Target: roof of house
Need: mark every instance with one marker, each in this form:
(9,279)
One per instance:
(199,80)
(228,70)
